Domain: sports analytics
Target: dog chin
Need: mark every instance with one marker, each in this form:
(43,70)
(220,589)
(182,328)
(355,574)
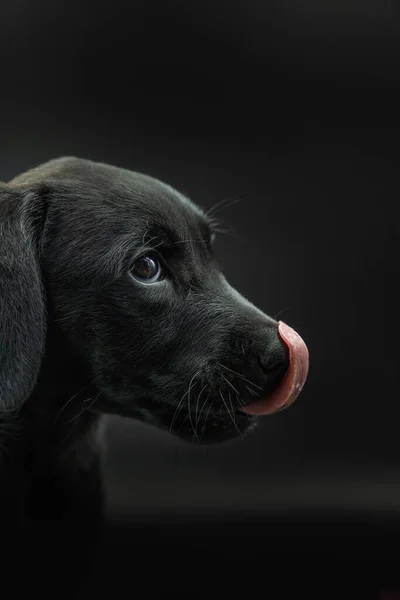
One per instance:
(213,428)
(209,429)
(196,426)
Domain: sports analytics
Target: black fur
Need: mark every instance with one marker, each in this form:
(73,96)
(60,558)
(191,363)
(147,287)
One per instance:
(80,337)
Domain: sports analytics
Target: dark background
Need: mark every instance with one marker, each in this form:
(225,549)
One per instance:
(293,107)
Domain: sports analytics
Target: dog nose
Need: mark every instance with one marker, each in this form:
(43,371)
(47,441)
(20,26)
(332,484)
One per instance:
(274,360)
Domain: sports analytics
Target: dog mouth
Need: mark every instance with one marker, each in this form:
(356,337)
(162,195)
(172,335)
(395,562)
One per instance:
(293,381)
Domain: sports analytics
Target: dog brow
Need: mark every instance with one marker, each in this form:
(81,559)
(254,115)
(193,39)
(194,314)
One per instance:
(172,236)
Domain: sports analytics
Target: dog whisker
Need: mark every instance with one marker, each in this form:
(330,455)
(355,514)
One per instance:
(225,232)
(188,401)
(145,244)
(144,235)
(230,401)
(215,222)
(250,390)
(231,384)
(203,405)
(87,407)
(197,407)
(221,205)
(177,411)
(228,411)
(206,417)
(240,375)
(180,404)
(68,402)
(231,231)
(242,403)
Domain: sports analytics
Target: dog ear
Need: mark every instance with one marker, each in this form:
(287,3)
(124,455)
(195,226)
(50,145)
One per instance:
(22,304)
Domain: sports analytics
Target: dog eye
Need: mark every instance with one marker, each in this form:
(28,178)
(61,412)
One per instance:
(146,269)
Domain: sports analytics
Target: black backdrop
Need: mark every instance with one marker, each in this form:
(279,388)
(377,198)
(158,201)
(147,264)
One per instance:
(293,107)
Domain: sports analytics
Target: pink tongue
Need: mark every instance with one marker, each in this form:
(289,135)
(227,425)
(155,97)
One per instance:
(293,380)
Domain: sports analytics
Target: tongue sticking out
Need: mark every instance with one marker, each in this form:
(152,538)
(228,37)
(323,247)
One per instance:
(293,381)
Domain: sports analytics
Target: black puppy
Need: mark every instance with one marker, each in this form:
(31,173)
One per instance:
(112,302)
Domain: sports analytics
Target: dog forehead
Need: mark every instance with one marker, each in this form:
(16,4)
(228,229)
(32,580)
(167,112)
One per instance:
(141,203)
(125,189)
(105,196)
(149,203)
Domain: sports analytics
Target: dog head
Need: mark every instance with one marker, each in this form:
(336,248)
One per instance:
(120,269)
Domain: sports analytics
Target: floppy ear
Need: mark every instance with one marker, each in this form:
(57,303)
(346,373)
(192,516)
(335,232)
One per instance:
(22,306)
